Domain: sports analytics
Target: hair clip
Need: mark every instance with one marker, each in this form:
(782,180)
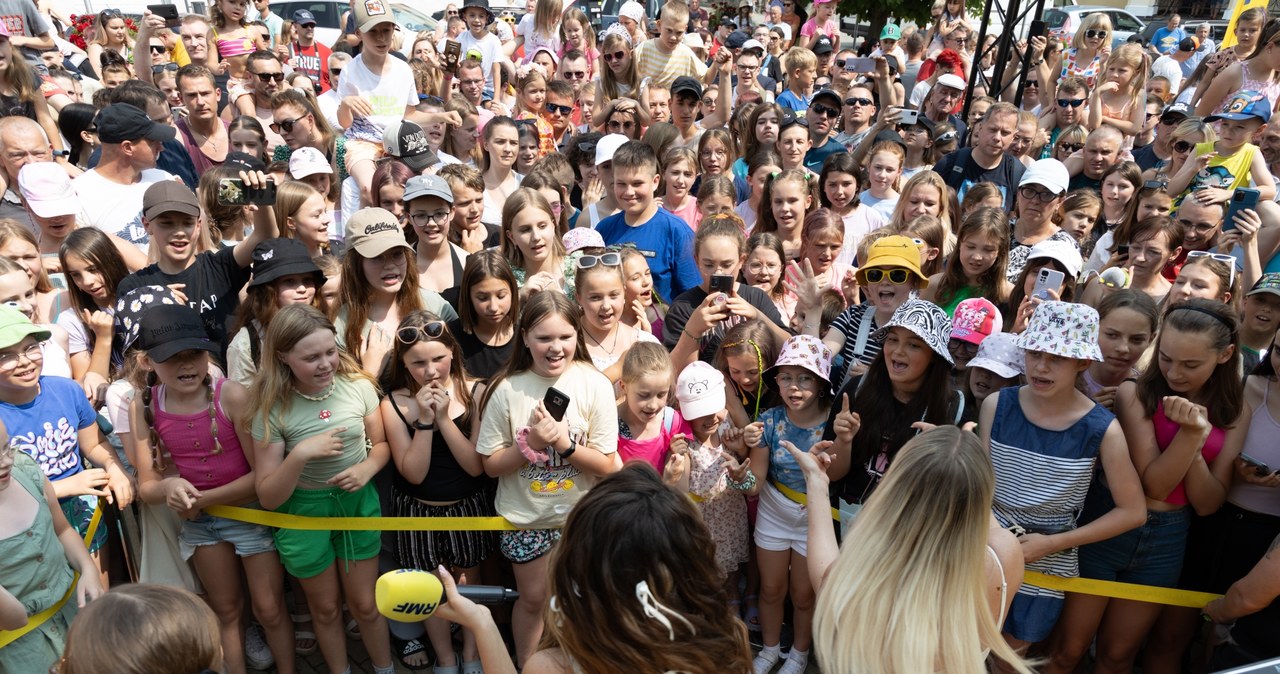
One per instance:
(655,610)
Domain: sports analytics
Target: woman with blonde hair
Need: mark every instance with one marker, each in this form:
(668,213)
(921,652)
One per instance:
(923,557)
(110,32)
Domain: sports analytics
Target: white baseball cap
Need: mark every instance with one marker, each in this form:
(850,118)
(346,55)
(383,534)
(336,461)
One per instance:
(1064,253)
(951,80)
(609,145)
(700,390)
(753,44)
(308,161)
(1049,173)
(47,190)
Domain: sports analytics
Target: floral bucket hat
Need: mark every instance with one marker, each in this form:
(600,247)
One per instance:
(927,321)
(130,307)
(804,351)
(1063,329)
(1000,354)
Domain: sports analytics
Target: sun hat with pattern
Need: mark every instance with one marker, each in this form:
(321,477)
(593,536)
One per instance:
(804,351)
(976,319)
(1063,329)
(581,237)
(130,307)
(927,321)
(1001,354)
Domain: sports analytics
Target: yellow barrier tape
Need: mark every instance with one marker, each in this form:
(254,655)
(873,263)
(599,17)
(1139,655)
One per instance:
(1102,588)
(1107,588)
(9,636)
(800,498)
(267,518)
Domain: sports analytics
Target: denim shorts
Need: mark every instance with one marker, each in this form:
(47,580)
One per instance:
(1149,555)
(248,539)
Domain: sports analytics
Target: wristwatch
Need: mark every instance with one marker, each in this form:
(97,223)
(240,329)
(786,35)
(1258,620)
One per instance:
(424,427)
(573,447)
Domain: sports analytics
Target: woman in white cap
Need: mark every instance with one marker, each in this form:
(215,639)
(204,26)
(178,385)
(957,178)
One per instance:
(1048,255)
(1046,440)
(1040,194)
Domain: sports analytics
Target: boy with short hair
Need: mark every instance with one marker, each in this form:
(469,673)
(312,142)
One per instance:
(466,183)
(1215,170)
(376,90)
(211,280)
(478,39)
(802,71)
(665,240)
(668,57)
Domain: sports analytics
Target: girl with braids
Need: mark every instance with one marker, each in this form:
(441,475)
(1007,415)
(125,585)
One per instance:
(431,422)
(194,426)
(743,355)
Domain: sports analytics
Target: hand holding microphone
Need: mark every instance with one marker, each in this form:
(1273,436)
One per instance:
(412,595)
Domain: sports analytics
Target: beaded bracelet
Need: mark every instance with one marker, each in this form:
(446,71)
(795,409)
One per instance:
(746,485)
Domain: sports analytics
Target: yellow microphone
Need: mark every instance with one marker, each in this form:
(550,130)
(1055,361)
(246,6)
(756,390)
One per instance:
(413,595)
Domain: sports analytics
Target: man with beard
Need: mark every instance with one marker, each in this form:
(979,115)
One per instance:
(267,74)
(987,161)
(823,112)
(859,111)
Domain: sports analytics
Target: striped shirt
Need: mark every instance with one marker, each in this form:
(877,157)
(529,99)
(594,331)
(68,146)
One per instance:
(1042,477)
(662,69)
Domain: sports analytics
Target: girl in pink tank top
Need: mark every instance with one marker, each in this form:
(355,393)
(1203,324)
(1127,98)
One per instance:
(192,427)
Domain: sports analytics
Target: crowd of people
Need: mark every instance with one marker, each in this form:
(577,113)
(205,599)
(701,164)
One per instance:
(766,341)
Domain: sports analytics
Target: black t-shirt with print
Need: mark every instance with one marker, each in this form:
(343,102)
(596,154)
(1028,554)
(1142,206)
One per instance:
(960,171)
(683,306)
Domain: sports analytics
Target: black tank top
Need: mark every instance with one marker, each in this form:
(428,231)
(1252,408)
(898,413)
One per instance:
(446,480)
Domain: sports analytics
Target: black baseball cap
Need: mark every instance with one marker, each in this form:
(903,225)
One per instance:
(243,160)
(166,330)
(823,45)
(120,122)
(279,257)
(686,83)
(828,93)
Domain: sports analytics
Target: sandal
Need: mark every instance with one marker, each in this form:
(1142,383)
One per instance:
(473,667)
(351,626)
(301,636)
(409,649)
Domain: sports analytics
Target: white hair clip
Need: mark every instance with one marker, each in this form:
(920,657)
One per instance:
(654,609)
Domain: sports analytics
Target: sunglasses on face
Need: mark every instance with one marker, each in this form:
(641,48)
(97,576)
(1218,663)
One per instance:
(896,276)
(1182,146)
(171,67)
(1070,102)
(286,125)
(267,77)
(854,102)
(410,335)
(575,75)
(1031,84)
(562,109)
(334,72)
(615,56)
(827,110)
(606,259)
(1093,34)
(158,48)
(1071,148)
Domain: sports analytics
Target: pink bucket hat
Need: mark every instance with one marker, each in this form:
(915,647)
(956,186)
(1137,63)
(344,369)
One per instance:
(976,319)
(804,351)
(581,237)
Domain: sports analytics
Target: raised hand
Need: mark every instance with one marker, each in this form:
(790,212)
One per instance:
(846,423)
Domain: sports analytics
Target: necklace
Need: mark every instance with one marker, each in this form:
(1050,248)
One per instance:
(332,387)
(616,330)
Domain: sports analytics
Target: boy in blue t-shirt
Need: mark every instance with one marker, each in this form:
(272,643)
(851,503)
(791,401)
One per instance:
(664,239)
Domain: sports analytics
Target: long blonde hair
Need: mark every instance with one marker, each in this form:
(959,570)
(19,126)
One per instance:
(271,388)
(907,592)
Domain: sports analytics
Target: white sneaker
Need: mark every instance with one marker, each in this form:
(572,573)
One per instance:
(257,655)
(795,664)
(764,663)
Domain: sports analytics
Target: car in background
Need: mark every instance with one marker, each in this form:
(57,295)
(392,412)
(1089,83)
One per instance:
(1062,22)
(329,13)
(1217,30)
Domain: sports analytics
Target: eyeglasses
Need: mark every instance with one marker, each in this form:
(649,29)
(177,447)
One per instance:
(1182,146)
(1158,185)
(171,67)
(33,353)
(575,74)
(158,48)
(962,349)
(1093,34)
(286,125)
(438,217)
(267,77)
(1042,196)
(1217,257)
(803,382)
(606,259)
(827,110)
(615,56)
(896,276)
(748,66)
(410,335)
(757,267)
(562,109)
(1070,102)
(854,102)
(1071,148)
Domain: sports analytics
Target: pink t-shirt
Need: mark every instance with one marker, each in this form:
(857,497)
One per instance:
(654,450)
(831,28)
(689,213)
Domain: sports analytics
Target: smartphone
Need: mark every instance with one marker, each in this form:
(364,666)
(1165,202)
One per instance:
(1243,198)
(1259,467)
(233,192)
(1037,29)
(452,55)
(1123,249)
(908,117)
(722,284)
(1048,279)
(860,65)
(167,12)
(556,402)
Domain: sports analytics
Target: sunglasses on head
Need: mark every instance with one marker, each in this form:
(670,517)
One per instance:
(606,259)
(562,109)
(827,110)
(896,276)
(111,14)
(1070,102)
(411,334)
(1158,185)
(1093,34)
(1218,257)
(267,77)
(587,148)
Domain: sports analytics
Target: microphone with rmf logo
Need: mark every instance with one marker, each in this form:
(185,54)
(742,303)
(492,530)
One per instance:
(412,595)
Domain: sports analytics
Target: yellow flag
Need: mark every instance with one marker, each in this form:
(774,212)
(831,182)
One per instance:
(1241,5)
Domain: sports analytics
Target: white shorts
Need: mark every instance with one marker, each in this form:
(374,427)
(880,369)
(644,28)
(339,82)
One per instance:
(781,524)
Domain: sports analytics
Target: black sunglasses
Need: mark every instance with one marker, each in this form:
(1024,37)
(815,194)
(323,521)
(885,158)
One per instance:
(267,77)
(1070,102)
(286,125)
(1158,185)
(334,72)
(1033,84)
(1183,146)
(1093,34)
(1071,147)
(410,335)
(827,110)
(562,109)
(111,14)
(158,48)
(171,67)
(864,102)
(840,63)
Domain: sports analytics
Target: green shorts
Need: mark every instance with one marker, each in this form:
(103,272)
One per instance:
(307,553)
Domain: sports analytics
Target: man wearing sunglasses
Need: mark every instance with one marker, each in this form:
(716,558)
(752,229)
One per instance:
(1156,153)
(859,110)
(306,54)
(822,114)
(266,73)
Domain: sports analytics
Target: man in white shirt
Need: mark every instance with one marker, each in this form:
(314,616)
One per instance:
(1170,65)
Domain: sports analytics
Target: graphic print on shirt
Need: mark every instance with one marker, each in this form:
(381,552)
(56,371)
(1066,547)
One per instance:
(56,449)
